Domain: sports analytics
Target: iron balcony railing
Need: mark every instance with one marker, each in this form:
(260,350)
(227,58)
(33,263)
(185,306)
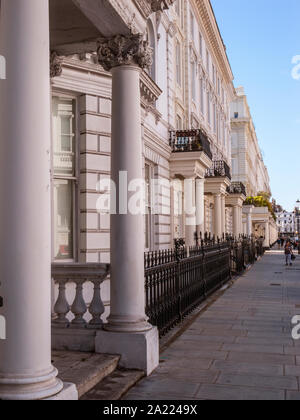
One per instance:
(190,141)
(237,188)
(219,169)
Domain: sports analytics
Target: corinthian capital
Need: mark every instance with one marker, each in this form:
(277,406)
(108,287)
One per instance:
(55,65)
(124,50)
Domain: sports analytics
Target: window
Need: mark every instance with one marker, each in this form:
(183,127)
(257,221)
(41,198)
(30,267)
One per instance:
(207,61)
(150,37)
(193,70)
(179,11)
(149,173)
(200,45)
(215,118)
(178,64)
(64,177)
(192,22)
(202,96)
(236,115)
(208,108)
(234,166)
(177,7)
(179,123)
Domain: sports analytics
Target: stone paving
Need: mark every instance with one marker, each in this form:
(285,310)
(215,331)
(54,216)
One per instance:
(241,347)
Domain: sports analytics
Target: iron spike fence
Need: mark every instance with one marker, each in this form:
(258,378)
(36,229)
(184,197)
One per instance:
(178,280)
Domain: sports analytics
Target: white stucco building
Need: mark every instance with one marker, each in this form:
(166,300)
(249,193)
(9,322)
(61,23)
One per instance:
(286,222)
(247,161)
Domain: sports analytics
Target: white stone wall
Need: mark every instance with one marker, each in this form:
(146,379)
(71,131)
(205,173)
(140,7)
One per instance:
(247,160)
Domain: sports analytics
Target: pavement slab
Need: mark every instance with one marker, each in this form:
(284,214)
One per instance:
(240,347)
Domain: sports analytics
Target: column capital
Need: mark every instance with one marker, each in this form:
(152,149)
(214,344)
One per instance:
(123,50)
(55,64)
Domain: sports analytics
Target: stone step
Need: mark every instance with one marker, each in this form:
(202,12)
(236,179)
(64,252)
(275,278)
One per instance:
(85,370)
(114,386)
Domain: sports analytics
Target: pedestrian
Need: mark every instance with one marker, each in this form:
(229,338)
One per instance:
(278,243)
(282,242)
(288,250)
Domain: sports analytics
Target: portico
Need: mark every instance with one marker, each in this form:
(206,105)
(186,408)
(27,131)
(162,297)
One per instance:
(74,27)
(216,184)
(191,166)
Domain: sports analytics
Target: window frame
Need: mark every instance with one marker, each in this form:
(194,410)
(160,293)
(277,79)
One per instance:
(75,180)
(178,64)
(151,219)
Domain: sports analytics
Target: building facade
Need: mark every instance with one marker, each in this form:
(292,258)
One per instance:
(247,160)
(121,145)
(249,168)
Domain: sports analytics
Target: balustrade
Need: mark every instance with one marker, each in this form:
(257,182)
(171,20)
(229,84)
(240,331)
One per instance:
(75,314)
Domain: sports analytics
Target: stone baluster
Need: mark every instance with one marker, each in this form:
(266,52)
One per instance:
(62,306)
(79,307)
(96,308)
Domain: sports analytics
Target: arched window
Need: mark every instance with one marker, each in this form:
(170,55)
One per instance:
(152,44)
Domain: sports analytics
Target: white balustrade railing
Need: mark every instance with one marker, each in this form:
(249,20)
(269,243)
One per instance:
(74,313)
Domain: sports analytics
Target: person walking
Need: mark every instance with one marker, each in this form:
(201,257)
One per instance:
(288,250)
(278,243)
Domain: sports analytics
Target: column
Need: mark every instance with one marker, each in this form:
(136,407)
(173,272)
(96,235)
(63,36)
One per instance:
(25,228)
(218,216)
(190,211)
(128,332)
(267,235)
(249,224)
(236,215)
(200,207)
(241,223)
(223,214)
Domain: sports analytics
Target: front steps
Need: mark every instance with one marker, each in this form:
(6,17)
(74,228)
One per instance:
(114,386)
(96,376)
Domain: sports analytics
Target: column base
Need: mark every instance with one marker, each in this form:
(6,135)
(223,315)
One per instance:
(138,350)
(126,325)
(30,387)
(68,393)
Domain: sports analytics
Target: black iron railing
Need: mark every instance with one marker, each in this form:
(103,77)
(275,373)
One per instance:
(190,141)
(237,188)
(178,280)
(219,169)
(177,283)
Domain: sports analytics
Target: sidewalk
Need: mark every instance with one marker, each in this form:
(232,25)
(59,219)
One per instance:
(241,348)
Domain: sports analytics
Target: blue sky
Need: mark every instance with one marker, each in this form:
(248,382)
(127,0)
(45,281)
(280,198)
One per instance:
(262,37)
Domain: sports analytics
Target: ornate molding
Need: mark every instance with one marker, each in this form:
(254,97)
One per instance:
(161,5)
(124,50)
(147,7)
(150,92)
(55,65)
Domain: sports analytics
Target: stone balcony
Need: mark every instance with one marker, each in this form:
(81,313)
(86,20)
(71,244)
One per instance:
(191,153)
(219,169)
(237,188)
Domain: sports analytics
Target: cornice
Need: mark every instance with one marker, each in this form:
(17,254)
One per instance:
(210,25)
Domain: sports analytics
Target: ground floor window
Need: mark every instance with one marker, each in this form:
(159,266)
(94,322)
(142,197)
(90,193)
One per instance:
(64,177)
(149,201)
